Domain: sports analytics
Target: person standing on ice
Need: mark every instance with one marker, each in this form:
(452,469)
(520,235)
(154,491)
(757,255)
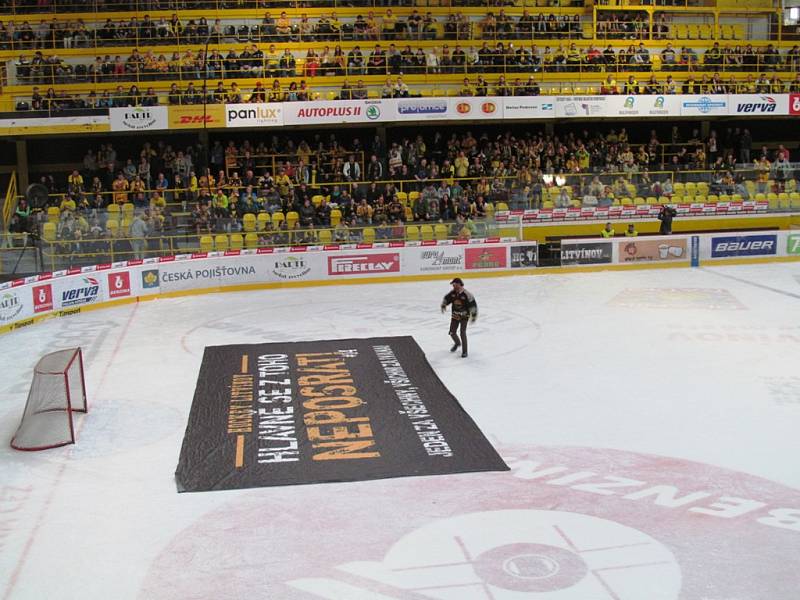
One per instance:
(464,309)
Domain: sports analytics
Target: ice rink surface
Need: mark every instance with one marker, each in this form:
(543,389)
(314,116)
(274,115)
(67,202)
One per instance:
(651,420)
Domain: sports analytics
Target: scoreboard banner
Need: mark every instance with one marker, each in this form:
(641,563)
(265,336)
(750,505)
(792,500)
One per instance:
(324,411)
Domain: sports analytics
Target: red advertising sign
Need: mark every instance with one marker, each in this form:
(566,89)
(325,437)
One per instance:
(364,264)
(485,258)
(119,284)
(794,104)
(42,298)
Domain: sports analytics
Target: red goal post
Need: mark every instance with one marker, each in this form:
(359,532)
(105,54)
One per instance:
(58,389)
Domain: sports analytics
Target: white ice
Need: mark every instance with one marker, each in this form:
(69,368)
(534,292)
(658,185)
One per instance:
(698,367)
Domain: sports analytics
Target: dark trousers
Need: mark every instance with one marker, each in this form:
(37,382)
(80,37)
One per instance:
(454,327)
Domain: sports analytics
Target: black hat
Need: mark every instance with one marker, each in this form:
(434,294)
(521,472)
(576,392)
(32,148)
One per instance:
(457,280)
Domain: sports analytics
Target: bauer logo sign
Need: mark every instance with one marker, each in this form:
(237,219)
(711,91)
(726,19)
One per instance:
(364,264)
(324,411)
(744,245)
(485,258)
(586,253)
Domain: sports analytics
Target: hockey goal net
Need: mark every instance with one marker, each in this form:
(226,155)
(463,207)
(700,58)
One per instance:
(57,390)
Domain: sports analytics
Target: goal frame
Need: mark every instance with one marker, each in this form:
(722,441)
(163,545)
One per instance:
(82,403)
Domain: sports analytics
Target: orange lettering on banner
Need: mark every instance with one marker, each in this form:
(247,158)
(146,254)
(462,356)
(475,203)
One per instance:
(333,434)
(346,450)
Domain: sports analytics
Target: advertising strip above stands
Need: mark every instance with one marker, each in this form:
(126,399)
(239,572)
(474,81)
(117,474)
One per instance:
(278,114)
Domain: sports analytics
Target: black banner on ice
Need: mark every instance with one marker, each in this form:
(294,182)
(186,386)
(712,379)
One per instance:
(313,412)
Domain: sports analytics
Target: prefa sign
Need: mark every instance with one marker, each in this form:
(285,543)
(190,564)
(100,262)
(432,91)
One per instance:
(139,118)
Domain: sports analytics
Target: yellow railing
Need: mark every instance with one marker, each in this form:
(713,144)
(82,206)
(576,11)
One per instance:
(10,203)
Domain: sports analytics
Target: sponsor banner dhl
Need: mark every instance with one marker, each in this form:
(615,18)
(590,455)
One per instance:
(338,111)
(196,116)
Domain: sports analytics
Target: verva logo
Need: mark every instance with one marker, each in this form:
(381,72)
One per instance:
(87,291)
(364,263)
(119,284)
(485,258)
(42,298)
(463,107)
(794,104)
(488,107)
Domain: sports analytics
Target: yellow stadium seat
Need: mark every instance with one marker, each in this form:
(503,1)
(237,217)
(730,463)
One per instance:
(412,233)
(221,242)
(316,199)
(772,198)
(249,223)
(490,210)
(125,227)
(413,197)
(548,204)
(369,235)
(650,200)
(262,220)
(724,198)
(426,233)
(626,201)
(292,217)
(783,201)
(336,217)
(681,31)
(691,188)
(440,231)
(206,243)
(712,198)
(49,232)
(325,236)
(53,214)
(402,198)
(409,214)
(237,241)
(761,198)
(700,199)
(794,199)
(113,211)
(277,219)
(127,210)
(501,206)
(251,241)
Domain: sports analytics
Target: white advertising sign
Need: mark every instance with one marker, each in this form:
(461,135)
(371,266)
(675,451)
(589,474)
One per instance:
(212,272)
(434,259)
(78,291)
(254,115)
(444,109)
(664,105)
(571,107)
(759,104)
(704,105)
(528,107)
(138,118)
(337,111)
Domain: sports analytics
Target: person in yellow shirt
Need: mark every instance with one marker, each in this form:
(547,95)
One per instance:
(608,231)
(461,165)
(466,88)
(631,231)
(120,187)
(389,25)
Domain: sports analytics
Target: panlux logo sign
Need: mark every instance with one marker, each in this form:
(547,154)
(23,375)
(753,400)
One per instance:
(364,263)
